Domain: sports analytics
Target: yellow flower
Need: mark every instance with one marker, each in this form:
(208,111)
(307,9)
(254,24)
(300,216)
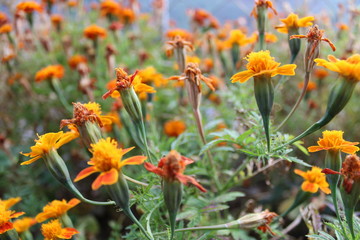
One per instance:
(261,63)
(237,37)
(333,141)
(46,143)
(54,231)
(23,224)
(293,22)
(56,209)
(10,202)
(95,108)
(107,159)
(5,218)
(349,68)
(150,74)
(314,179)
(193,59)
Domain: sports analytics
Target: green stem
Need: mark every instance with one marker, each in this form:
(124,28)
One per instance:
(298,101)
(55,85)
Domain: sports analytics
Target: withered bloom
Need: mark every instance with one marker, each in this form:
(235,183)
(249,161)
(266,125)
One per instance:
(180,46)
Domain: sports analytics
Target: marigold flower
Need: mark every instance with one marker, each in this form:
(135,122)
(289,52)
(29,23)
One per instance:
(237,37)
(72,3)
(314,179)
(150,74)
(172,168)
(171,34)
(5,218)
(107,159)
(260,3)
(109,7)
(270,38)
(56,19)
(75,60)
(321,73)
(94,32)
(52,71)
(204,19)
(29,6)
(56,209)
(115,121)
(127,15)
(54,231)
(173,128)
(10,202)
(293,22)
(124,81)
(46,143)
(349,68)
(3,18)
(261,63)
(6,28)
(343,27)
(23,224)
(333,141)
(310,87)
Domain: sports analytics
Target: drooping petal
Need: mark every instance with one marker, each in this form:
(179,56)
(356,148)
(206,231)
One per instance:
(309,187)
(326,190)
(349,149)
(84,173)
(299,172)
(126,150)
(31,160)
(97,182)
(152,168)
(186,160)
(242,76)
(315,148)
(184,179)
(135,160)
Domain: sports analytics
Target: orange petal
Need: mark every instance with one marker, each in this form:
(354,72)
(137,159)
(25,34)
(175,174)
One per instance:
(17,214)
(6,227)
(110,177)
(126,150)
(84,173)
(349,149)
(242,76)
(152,168)
(326,190)
(315,148)
(67,233)
(73,202)
(299,172)
(288,69)
(185,179)
(309,187)
(135,160)
(97,182)
(31,160)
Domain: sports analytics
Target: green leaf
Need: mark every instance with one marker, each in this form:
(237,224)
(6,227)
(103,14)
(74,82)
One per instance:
(227,197)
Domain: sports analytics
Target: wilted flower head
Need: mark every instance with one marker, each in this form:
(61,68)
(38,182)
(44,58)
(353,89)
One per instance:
(178,44)
(261,63)
(172,167)
(313,180)
(262,3)
(94,32)
(56,209)
(107,159)
(90,111)
(349,68)
(49,72)
(54,231)
(293,22)
(46,143)
(334,141)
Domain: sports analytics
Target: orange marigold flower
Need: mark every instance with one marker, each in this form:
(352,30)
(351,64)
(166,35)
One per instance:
(124,81)
(311,86)
(72,3)
(260,3)
(3,18)
(94,32)
(349,68)
(52,71)
(56,19)
(23,224)
(171,34)
(334,141)
(127,15)
(172,168)
(109,7)
(107,159)
(29,6)
(173,128)
(293,22)
(54,231)
(56,209)
(343,27)
(261,63)
(6,28)
(193,59)
(314,179)
(237,37)
(150,74)
(321,73)
(75,60)
(270,38)
(48,142)
(5,218)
